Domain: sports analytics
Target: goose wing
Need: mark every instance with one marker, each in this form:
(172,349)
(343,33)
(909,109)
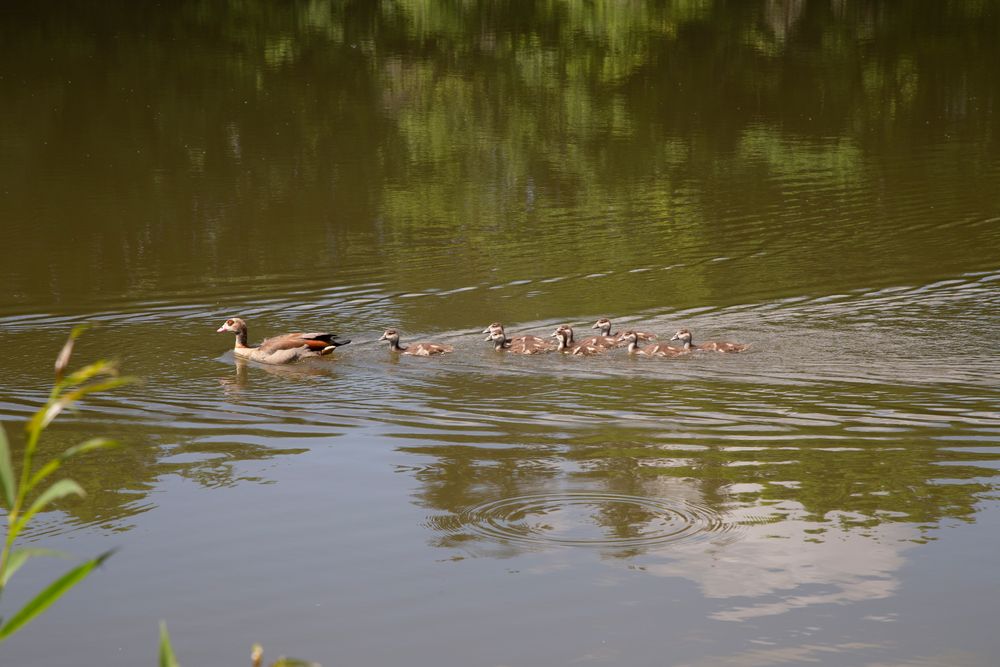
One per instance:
(311,341)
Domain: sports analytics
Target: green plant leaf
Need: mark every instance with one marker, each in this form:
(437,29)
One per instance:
(62,360)
(92,370)
(50,594)
(44,417)
(292,662)
(51,466)
(60,489)
(167,657)
(89,446)
(6,470)
(19,557)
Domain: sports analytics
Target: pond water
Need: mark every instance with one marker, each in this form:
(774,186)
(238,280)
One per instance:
(820,180)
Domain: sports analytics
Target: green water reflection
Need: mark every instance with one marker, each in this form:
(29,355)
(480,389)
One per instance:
(423,145)
(818,179)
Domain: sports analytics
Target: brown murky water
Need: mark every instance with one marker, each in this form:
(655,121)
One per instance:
(818,179)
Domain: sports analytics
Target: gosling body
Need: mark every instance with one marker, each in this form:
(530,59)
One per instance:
(604,324)
(631,339)
(567,345)
(414,349)
(517,345)
(684,335)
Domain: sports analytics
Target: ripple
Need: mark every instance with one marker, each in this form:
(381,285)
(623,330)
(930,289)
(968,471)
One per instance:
(593,519)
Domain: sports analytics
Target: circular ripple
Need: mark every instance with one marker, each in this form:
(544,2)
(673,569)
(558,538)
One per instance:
(593,519)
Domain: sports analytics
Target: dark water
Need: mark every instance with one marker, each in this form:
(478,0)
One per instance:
(818,179)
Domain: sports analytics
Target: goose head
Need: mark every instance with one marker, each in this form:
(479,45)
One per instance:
(564,334)
(604,324)
(684,336)
(390,335)
(232,325)
(630,337)
(493,328)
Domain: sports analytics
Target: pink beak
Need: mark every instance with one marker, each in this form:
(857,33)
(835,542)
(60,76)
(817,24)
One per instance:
(221,329)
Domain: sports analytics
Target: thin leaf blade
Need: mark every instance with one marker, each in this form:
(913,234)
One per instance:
(60,489)
(50,594)
(167,657)
(62,359)
(90,371)
(6,470)
(19,557)
(44,417)
(50,467)
(89,446)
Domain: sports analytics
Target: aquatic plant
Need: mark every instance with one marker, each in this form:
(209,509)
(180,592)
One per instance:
(24,495)
(168,659)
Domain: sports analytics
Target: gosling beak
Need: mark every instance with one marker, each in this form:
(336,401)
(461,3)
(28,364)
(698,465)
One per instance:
(595,326)
(488,337)
(676,337)
(221,329)
(488,330)
(383,337)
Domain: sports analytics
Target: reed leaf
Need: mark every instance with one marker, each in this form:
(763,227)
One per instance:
(7,487)
(19,557)
(62,360)
(50,594)
(60,489)
(167,657)
(44,417)
(88,372)
(51,466)
(89,446)
(96,377)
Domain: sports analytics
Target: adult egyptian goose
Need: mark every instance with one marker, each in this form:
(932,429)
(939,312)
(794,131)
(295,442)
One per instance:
(564,334)
(517,345)
(280,349)
(631,339)
(685,337)
(604,324)
(415,349)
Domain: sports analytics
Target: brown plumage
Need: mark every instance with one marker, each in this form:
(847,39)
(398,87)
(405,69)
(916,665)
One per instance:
(685,337)
(280,349)
(604,324)
(518,345)
(657,350)
(564,334)
(415,349)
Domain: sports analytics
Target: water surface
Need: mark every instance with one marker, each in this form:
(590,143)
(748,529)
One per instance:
(819,180)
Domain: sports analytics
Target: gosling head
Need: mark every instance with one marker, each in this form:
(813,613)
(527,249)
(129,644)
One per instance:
(493,328)
(562,330)
(499,340)
(564,334)
(684,336)
(390,335)
(604,324)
